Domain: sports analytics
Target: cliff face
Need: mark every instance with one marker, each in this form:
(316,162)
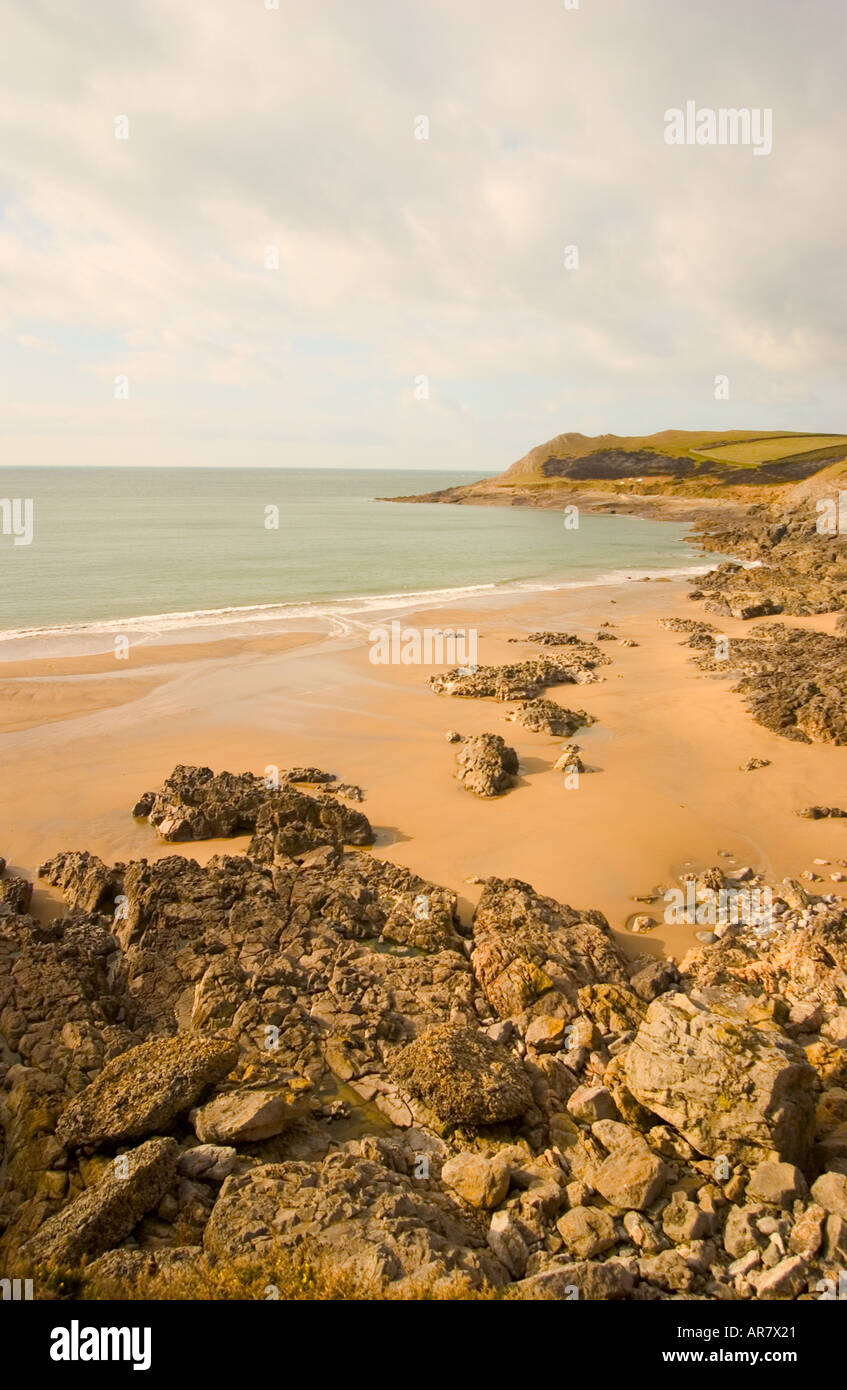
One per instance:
(642,473)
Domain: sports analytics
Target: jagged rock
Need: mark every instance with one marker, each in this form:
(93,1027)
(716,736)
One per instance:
(785,1280)
(462,1076)
(198,804)
(792,678)
(365,1213)
(631,1177)
(531,954)
(725,1085)
(84,880)
(522,680)
(245,1116)
(486,765)
(143,1090)
(507,1243)
(547,717)
(106,1213)
(15,893)
(655,979)
(590,1103)
(583,1280)
(479,1181)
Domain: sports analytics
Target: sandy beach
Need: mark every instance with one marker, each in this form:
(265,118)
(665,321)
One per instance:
(84,736)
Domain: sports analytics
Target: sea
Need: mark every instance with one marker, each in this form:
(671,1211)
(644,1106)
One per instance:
(169,550)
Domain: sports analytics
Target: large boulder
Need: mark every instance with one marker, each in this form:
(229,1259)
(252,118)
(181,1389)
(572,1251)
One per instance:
(727,1086)
(486,765)
(105,1214)
(462,1076)
(532,954)
(144,1089)
(245,1116)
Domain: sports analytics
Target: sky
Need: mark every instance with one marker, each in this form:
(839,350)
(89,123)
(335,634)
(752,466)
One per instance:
(422,314)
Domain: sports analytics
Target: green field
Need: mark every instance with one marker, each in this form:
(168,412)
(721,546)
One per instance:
(766,450)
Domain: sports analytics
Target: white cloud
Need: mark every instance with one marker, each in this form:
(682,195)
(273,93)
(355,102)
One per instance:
(400,256)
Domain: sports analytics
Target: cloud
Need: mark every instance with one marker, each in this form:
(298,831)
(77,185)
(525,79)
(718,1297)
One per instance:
(295,128)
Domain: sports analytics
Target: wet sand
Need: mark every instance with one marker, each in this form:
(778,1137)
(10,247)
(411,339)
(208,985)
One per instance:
(82,737)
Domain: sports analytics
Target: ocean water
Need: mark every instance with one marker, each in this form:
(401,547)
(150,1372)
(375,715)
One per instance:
(171,548)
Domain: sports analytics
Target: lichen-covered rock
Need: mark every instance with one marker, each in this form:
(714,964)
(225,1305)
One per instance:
(728,1087)
(144,1089)
(105,1214)
(462,1076)
(531,954)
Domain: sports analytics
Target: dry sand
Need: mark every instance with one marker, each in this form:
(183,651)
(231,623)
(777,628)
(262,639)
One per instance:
(81,738)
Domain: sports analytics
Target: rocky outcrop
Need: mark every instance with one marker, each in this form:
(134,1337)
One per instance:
(537,1113)
(727,1086)
(522,680)
(792,679)
(531,954)
(547,717)
(485,765)
(198,804)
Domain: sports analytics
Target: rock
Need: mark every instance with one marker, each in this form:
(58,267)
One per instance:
(198,804)
(507,1243)
(246,1116)
(726,1086)
(211,1162)
(15,893)
(683,1221)
(632,1178)
(105,1214)
(462,1076)
(479,1181)
(144,1089)
(525,679)
(359,1209)
(548,717)
(532,954)
(546,1033)
(753,764)
(655,979)
(780,1184)
(486,766)
(590,1103)
(586,1231)
(807,1233)
(785,1280)
(742,1233)
(84,880)
(583,1280)
(452,736)
(830,1192)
